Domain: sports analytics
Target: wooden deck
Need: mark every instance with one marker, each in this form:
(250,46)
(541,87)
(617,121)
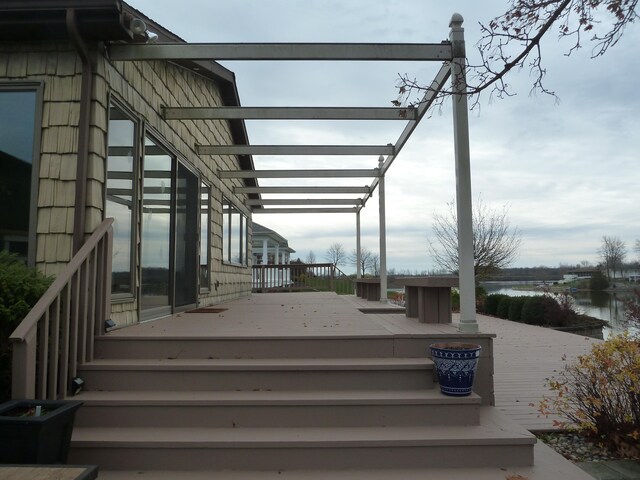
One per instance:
(524,355)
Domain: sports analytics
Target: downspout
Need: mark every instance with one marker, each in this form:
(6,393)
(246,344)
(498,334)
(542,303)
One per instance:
(88,66)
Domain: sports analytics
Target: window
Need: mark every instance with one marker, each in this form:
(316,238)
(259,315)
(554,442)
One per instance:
(205,246)
(121,167)
(18,113)
(234,235)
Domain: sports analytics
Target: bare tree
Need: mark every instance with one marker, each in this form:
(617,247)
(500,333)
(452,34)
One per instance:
(637,247)
(495,242)
(374,264)
(513,40)
(336,254)
(311,258)
(612,252)
(365,259)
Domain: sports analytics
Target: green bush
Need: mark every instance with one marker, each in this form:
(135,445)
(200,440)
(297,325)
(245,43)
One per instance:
(533,310)
(515,308)
(503,307)
(598,281)
(481,298)
(455,300)
(545,311)
(491,303)
(20,289)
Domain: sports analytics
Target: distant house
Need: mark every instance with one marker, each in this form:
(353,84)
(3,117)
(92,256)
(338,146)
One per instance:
(632,274)
(578,274)
(269,247)
(84,137)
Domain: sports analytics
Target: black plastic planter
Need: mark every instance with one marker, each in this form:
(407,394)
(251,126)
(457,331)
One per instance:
(36,440)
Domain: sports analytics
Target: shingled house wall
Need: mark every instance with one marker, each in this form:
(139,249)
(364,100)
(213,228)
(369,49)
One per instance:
(143,87)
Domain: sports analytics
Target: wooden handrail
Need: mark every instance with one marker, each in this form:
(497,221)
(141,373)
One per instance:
(57,334)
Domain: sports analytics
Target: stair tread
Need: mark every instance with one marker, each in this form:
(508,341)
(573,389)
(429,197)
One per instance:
(283,397)
(493,428)
(384,363)
(548,465)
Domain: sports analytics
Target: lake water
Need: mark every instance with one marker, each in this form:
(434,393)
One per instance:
(604,305)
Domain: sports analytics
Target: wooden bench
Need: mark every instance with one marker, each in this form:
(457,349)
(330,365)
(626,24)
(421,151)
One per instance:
(428,298)
(368,288)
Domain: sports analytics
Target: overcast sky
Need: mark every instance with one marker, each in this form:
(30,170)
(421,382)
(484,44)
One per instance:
(567,169)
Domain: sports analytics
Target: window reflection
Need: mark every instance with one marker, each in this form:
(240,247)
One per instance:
(119,205)
(205,207)
(156,225)
(234,234)
(17,126)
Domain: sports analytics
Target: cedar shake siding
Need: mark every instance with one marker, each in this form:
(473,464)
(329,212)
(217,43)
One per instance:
(141,88)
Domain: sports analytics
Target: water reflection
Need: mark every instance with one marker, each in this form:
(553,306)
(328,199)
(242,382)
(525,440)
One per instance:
(604,305)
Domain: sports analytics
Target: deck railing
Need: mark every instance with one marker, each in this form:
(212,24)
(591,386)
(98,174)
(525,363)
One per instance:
(57,334)
(292,277)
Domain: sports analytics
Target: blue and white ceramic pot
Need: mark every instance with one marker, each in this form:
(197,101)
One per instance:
(456,364)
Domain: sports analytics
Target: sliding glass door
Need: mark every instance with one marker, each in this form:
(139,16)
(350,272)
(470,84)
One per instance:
(186,236)
(156,242)
(170,236)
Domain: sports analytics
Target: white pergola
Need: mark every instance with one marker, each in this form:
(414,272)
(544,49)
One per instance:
(452,55)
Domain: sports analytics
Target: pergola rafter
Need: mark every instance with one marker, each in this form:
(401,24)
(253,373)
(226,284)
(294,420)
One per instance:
(289,113)
(285,51)
(451,53)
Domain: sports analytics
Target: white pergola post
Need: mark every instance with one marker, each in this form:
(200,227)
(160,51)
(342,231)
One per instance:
(265,251)
(463,178)
(383,236)
(358,247)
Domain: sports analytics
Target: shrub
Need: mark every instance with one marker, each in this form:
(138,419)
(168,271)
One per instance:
(481,297)
(599,394)
(455,300)
(515,308)
(491,303)
(598,281)
(20,289)
(503,307)
(533,310)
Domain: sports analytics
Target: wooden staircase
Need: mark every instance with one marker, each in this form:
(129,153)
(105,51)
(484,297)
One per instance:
(195,408)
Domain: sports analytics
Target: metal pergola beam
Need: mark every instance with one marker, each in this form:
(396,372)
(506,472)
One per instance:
(347,173)
(305,201)
(284,51)
(305,210)
(294,149)
(296,190)
(288,113)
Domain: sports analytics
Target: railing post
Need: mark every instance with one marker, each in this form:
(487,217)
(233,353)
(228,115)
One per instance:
(23,375)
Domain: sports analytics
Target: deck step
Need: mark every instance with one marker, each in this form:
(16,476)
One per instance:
(495,441)
(549,466)
(229,409)
(329,346)
(258,374)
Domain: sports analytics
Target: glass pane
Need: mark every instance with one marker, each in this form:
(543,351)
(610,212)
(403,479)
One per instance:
(226,232)
(243,240)
(187,210)
(204,236)
(156,226)
(235,236)
(17,125)
(119,206)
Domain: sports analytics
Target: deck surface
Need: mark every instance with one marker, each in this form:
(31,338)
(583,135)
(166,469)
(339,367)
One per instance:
(525,356)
